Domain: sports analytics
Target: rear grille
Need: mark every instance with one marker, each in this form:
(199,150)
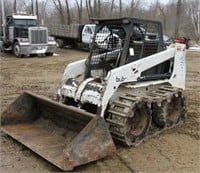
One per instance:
(38,36)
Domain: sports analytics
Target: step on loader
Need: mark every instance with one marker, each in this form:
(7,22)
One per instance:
(127,90)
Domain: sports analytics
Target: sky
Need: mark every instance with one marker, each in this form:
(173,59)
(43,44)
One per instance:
(147,3)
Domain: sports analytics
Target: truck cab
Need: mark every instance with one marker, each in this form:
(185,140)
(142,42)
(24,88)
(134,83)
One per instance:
(88,33)
(17,26)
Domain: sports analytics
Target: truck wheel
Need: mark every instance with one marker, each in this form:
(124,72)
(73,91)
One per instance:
(17,50)
(49,54)
(60,43)
(74,45)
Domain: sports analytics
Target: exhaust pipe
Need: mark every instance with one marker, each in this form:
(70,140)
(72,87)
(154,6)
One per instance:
(3,20)
(34,7)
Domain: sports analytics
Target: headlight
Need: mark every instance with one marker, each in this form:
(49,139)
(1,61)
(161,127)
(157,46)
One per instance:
(51,38)
(24,39)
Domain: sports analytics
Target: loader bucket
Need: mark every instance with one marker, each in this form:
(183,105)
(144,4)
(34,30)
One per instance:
(65,136)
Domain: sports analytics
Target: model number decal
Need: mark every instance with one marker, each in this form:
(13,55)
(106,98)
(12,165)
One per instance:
(120,79)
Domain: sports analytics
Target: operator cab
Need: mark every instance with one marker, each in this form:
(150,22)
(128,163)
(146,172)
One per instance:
(123,41)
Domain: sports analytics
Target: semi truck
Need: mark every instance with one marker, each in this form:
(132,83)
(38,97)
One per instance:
(80,35)
(21,34)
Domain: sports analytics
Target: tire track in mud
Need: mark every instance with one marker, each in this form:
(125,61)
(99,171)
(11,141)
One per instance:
(126,163)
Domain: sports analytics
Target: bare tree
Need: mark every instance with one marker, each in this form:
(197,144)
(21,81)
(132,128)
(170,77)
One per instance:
(15,6)
(132,8)
(89,8)
(37,9)
(32,7)
(185,23)
(68,13)
(60,10)
(134,5)
(43,12)
(99,8)
(120,8)
(111,8)
(194,9)
(178,14)
(80,10)
(164,16)
(95,8)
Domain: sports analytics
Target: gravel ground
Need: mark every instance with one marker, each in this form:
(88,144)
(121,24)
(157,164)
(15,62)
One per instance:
(176,150)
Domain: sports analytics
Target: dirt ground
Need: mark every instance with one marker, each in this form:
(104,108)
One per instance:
(177,150)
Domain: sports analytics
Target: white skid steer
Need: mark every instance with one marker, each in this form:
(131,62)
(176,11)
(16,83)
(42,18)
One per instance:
(128,90)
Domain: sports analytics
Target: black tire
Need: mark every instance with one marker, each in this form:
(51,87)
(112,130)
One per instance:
(49,54)
(32,55)
(17,50)
(60,43)
(74,45)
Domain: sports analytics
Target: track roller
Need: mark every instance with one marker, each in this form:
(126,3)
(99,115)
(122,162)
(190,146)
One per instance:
(170,111)
(138,124)
(134,117)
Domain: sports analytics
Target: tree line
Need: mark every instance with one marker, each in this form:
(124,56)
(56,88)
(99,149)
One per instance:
(180,18)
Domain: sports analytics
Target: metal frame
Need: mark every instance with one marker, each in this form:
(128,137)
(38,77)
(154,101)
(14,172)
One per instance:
(101,92)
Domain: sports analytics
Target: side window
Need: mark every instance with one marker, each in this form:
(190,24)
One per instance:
(88,30)
(9,21)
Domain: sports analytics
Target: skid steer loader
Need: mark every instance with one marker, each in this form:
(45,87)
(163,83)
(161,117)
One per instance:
(128,90)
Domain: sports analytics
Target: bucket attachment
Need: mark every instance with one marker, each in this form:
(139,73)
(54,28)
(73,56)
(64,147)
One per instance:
(64,135)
